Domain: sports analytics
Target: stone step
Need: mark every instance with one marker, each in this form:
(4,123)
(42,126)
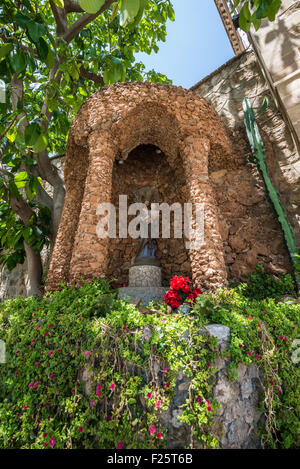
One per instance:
(146,294)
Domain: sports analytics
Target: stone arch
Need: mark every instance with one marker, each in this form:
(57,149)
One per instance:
(109,125)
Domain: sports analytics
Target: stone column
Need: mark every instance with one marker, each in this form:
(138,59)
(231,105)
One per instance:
(75,175)
(90,253)
(207,261)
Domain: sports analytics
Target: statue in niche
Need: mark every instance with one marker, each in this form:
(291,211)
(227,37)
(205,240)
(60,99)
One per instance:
(147,246)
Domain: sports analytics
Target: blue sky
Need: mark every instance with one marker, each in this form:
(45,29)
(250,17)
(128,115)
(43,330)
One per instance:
(196,44)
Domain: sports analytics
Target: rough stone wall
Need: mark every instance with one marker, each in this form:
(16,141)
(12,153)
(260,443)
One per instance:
(109,126)
(249,229)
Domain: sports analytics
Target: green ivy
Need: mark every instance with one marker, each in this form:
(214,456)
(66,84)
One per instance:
(50,342)
(261,285)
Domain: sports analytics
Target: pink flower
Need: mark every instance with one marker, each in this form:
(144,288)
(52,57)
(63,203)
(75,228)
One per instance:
(47,343)
(30,384)
(257,356)
(25,407)
(47,404)
(79,319)
(50,353)
(35,384)
(159,435)
(80,429)
(46,333)
(44,435)
(37,363)
(20,415)
(158,404)
(16,373)
(37,327)
(45,445)
(167,385)
(52,442)
(209,408)
(52,376)
(238,363)
(280,337)
(112,387)
(149,395)
(87,353)
(286,338)
(250,354)
(198,399)
(98,393)
(92,403)
(271,382)
(32,341)
(279,389)
(258,325)
(119,446)
(166,370)
(98,387)
(124,328)
(152,429)
(50,325)
(208,364)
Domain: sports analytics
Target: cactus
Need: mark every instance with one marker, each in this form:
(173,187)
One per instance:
(259,158)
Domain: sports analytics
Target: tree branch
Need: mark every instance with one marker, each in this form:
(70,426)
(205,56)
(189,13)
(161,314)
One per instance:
(60,18)
(72,7)
(83,21)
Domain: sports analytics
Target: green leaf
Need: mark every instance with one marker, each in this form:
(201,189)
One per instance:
(21,179)
(273,9)
(59,3)
(35,31)
(245,18)
(22,20)
(50,58)
(91,6)
(40,144)
(32,133)
(171,13)
(18,61)
(42,49)
(128,12)
(5,49)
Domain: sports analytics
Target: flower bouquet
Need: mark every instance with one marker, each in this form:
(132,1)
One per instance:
(181,292)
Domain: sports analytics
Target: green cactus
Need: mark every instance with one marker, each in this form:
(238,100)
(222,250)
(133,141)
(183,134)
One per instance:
(259,158)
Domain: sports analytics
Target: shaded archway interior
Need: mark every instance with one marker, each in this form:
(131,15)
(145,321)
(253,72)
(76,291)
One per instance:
(147,166)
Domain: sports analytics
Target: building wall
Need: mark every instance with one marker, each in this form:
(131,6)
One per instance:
(277,44)
(239,192)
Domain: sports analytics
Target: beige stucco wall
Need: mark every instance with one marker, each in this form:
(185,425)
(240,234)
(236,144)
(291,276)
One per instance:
(278,44)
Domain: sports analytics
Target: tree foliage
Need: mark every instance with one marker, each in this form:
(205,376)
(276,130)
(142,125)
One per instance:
(253,11)
(53,55)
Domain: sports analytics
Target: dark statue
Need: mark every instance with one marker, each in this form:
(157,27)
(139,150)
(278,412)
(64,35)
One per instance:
(147,246)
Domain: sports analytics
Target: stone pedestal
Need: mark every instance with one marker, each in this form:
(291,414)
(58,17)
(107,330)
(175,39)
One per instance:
(144,276)
(144,283)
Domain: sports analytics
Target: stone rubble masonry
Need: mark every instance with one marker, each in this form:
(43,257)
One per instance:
(112,123)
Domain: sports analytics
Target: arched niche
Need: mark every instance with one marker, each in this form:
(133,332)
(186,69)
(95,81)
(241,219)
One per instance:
(110,125)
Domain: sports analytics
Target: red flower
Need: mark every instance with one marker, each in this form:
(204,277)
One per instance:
(172,298)
(197,291)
